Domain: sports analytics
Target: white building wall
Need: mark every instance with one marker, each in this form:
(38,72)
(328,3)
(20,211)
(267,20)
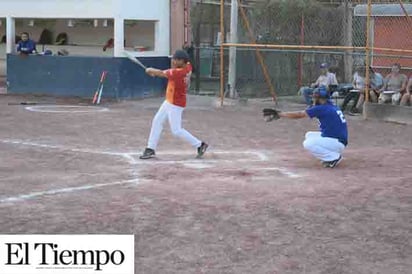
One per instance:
(157,10)
(153,10)
(59,8)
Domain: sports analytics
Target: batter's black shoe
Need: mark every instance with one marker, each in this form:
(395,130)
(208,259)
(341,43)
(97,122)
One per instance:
(147,154)
(202,149)
(333,163)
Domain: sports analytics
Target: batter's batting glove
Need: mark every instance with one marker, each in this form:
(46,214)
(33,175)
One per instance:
(270,114)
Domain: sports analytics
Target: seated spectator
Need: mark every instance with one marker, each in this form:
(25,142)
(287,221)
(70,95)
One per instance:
(325,79)
(109,44)
(375,84)
(62,39)
(393,88)
(358,88)
(26,45)
(407,96)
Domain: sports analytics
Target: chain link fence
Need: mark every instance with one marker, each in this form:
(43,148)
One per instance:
(295,37)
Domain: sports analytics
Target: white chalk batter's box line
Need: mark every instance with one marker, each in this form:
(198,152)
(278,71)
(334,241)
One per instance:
(51,192)
(131,157)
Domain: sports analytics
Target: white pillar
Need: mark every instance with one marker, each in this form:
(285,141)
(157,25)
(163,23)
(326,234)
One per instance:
(10,34)
(118,37)
(232,50)
(157,37)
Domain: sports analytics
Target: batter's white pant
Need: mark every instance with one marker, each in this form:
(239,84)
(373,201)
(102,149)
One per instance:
(324,148)
(174,114)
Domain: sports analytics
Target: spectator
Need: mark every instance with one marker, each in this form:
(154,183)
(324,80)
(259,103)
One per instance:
(326,79)
(109,44)
(358,88)
(26,45)
(407,97)
(62,39)
(395,82)
(375,84)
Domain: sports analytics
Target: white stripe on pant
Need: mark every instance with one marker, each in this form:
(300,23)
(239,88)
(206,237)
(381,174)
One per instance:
(174,114)
(324,148)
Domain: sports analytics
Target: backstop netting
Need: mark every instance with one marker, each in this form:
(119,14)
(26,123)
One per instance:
(281,44)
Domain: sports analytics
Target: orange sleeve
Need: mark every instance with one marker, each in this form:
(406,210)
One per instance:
(173,74)
(169,73)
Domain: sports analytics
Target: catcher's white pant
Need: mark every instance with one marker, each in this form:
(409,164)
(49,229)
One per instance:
(324,148)
(174,114)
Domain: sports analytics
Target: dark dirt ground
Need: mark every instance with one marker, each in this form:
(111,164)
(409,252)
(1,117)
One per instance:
(257,203)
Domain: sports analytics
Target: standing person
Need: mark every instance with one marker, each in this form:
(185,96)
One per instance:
(328,143)
(26,45)
(172,108)
(395,82)
(325,79)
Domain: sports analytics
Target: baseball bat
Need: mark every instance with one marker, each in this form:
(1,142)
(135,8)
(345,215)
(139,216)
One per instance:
(134,59)
(23,104)
(101,87)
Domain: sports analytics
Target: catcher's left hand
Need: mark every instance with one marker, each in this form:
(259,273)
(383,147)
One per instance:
(270,114)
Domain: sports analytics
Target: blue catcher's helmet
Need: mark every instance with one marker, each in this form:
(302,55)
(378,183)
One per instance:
(321,92)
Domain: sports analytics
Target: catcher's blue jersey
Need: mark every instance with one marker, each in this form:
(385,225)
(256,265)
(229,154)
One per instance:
(332,121)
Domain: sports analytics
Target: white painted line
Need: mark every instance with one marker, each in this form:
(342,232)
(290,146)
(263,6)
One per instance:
(194,161)
(130,156)
(66,109)
(34,195)
(19,142)
(284,171)
(63,148)
(199,165)
(239,156)
(124,156)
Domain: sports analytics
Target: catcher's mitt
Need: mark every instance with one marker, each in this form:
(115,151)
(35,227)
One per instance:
(270,114)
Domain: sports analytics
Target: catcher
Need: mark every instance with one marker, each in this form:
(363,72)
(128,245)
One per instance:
(328,143)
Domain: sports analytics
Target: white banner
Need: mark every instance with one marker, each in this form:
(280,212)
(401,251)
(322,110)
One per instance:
(68,254)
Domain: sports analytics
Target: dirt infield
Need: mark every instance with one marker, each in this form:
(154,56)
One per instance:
(257,203)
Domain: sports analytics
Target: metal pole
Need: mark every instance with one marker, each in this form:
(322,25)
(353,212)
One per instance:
(232,50)
(197,50)
(300,58)
(367,59)
(222,54)
(408,17)
(348,40)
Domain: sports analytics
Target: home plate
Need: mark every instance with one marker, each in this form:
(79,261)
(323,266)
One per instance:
(198,165)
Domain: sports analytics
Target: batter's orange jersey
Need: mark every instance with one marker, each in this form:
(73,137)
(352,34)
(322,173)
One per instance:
(178,79)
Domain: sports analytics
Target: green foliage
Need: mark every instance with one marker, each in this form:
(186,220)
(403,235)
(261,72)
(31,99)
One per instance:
(279,21)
